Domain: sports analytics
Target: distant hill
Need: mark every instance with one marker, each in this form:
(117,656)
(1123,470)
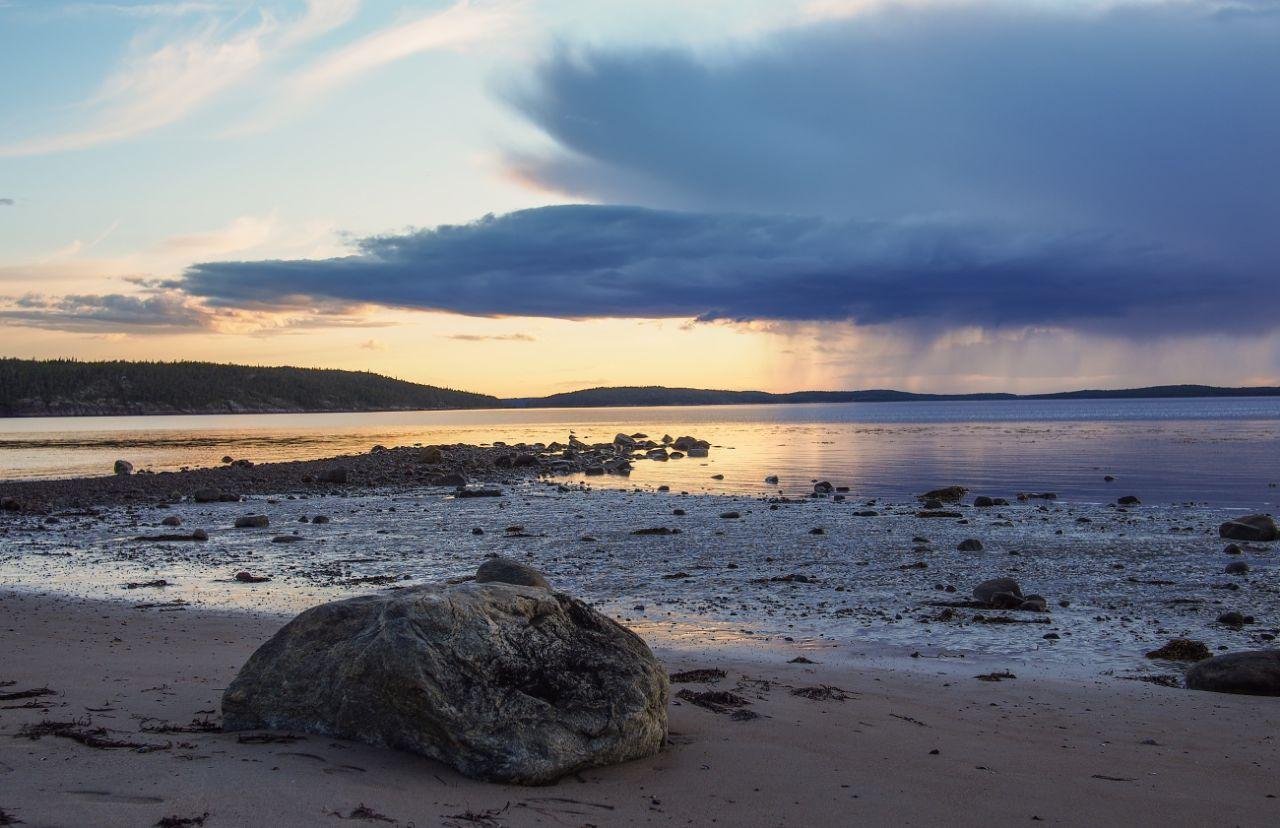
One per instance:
(61,387)
(659,395)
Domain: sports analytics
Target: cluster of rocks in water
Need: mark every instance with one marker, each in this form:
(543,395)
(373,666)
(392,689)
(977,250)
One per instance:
(471,470)
(503,678)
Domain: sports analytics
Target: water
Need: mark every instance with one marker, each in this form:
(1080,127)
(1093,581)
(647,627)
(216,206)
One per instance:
(1223,452)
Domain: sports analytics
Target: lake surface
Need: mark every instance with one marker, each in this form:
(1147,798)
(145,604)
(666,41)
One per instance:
(1222,452)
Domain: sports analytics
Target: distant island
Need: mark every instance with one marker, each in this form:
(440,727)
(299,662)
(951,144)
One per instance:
(66,387)
(657,395)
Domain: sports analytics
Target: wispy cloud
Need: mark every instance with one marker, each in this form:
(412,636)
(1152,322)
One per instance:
(158,313)
(7,202)
(159,85)
(516,337)
(179,8)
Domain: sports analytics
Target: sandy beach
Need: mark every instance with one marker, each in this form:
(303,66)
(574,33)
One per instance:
(905,747)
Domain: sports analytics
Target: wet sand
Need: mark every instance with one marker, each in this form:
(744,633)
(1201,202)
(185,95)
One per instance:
(907,747)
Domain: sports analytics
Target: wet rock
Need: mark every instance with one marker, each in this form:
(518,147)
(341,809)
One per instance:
(730,515)
(970,545)
(451,479)
(1034,603)
(482,492)
(823,488)
(938,513)
(123,468)
(1251,673)
(1128,500)
(1181,649)
(1259,528)
(505,683)
(207,496)
(431,456)
(525,460)
(171,520)
(507,571)
(1232,549)
(772,480)
(199,535)
(989,592)
(689,445)
(288,539)
(983,502)
(1237,568)
(947,494)
(252,522)
(320,519)
(246,577)
(1234,619)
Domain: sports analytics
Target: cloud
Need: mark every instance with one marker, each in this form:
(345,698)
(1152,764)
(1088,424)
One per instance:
(1154,121)
(163,82)
(516,337)
(462,23)
(584,261)
(373,345)
(6,202)
(158,313)
(142,10)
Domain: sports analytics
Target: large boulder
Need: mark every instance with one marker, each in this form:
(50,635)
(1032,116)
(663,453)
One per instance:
(505,683)
(1252,673)
(1250,528)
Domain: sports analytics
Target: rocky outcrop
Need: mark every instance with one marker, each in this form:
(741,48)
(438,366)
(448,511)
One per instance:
(505,683)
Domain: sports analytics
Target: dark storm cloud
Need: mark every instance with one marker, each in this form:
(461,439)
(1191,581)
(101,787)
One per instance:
(586,261)
(1158,121)
(989,164)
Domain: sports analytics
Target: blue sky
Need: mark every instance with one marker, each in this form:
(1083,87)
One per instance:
(936,194)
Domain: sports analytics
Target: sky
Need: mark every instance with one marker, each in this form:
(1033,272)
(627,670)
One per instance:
(524,197)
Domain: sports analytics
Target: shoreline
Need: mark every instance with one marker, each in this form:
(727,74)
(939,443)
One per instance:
(911,747)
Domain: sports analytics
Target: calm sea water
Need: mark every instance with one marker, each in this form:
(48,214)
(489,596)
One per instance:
(1216,451)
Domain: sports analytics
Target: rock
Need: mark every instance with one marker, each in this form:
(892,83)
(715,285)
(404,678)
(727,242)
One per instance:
(970,545)
(624,440)
(252,522)
(171,520)
(823,488)
(1237,568)
(227,458)
(938,513)
(482,492)
(988,591)
(1235,620)
(338,474)
(1260,528)
(288,539)
(1034,603)
(983,502)
(933,503)
(123,468)
(207,496)
(431,456)
(772,480)
(947,494)
(320,519)
(1181,649)
(199,535)
(1251,673)
(1128,500)
(697,452)
(730,515)
(250,578)
(451,479)
(507,571)
(505,683)
(689,445)
(525,460)
(1232,549)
